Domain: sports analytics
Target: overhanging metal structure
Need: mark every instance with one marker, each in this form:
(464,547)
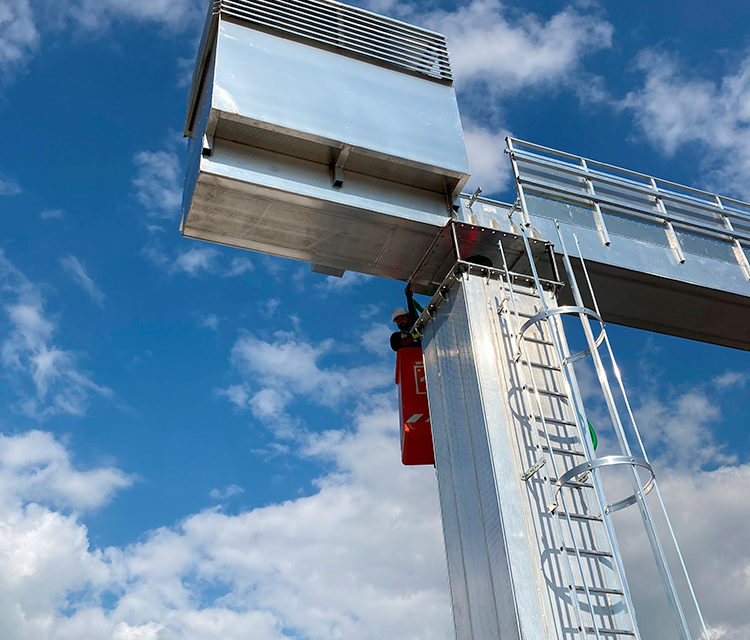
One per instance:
(662,256)
(321,132)
(330,134)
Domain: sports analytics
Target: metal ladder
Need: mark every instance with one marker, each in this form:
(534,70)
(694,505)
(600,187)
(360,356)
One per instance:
(595,597)
(562,454)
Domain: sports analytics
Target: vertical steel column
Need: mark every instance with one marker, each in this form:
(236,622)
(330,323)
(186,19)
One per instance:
(490,564)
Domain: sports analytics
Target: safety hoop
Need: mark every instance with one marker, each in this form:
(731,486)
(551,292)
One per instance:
(557,311)
(606,461)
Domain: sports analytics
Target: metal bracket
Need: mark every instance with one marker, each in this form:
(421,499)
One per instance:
(337,170)
(208,146)
(474,197)
(533,469)
(674,243)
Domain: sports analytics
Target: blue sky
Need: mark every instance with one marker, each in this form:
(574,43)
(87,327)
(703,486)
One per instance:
(199,441)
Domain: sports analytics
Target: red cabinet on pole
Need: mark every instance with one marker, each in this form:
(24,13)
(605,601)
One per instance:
(414,411)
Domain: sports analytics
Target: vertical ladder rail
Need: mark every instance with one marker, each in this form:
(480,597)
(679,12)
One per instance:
(582,423)
(648,522)
(556,526)
(631,417)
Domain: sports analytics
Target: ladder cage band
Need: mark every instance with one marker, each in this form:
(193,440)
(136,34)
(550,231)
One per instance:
(565,310)
(606,461)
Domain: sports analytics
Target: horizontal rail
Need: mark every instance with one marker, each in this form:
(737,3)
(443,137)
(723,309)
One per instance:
(630,172)
(717,232)
(669,196)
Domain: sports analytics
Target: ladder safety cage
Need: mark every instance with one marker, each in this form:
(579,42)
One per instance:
(574,477)
(611,199)
(613,583)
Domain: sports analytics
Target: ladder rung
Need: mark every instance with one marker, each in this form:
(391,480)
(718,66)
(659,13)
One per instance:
(611,632)
(600,591)
(541,365)
(548,392)
(531,293)
(590,552)
(539,341)
(567,423)
(565,452)
(574,484)
(580,516)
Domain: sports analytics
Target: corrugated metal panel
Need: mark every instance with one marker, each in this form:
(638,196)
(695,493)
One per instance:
(351,30)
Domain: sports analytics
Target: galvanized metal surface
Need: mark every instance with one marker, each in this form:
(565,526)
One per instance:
(324,23)
(299,151)
(654,260)
(462,242)
(507,554)
(634,221)
(351,30)
(252,200)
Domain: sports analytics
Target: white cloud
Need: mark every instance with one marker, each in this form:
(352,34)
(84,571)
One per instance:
(174,14)
(269,403)
(211,321)
(52,214)
(676,108)
(238,267)
(35,467)
(731,379)
(227,492)
(18,35)
(348,281)
(710,515)
(288,364)
(154,250)
(680,425)
(158,182)
(197,260)
(81,278)
(21,21)
(8,186)
(271,306)
(376,338)
(508,53)
(357,558)
(29,355)
(237,394)
(489,166)
(367,311)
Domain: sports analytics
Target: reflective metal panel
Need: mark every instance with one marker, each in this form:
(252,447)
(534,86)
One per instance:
(306,145)
(664,257)
(510,563)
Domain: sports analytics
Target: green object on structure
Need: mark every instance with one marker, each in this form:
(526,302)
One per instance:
(594,439)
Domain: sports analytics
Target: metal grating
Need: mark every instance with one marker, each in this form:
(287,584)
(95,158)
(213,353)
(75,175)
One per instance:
(350,30)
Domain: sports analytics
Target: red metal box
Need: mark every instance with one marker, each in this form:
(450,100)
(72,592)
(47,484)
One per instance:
(414,411)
